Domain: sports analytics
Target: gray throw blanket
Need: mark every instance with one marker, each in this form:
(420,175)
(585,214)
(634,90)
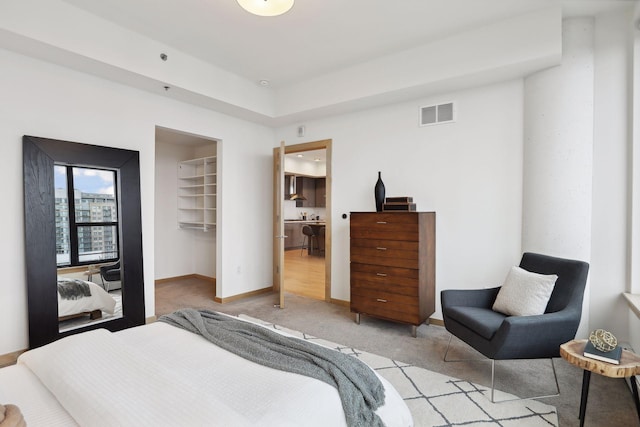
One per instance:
(360,389)
(73,289)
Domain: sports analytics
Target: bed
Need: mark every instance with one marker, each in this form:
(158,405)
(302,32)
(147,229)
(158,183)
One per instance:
(159,374)
(80,298)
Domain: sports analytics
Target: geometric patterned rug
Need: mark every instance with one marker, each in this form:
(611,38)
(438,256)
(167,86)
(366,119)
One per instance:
(440,401)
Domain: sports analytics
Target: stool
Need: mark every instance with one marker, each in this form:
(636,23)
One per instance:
(307,239)
(320,237)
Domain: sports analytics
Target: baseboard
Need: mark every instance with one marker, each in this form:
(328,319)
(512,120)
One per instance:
(10,358)
(432,321)
(208,278)
(340,302)
(244,295)
(186,276)
(150,319)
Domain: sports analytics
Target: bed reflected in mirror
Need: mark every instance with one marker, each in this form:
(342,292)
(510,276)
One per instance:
(83,234)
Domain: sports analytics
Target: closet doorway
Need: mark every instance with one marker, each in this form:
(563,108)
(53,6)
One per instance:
(185,208)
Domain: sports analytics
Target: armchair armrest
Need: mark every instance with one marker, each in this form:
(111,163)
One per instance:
(483,298)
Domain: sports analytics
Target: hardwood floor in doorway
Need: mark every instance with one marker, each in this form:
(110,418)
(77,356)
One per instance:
(304,274)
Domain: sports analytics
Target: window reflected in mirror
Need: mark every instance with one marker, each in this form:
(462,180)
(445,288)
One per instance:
(87,253)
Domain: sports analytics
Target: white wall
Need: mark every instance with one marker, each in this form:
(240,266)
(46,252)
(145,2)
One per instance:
(469,172)
(46,100)
(611,172)
(558,153)
(634,176)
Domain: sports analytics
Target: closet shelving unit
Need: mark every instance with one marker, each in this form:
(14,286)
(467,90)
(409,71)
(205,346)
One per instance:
(197,181)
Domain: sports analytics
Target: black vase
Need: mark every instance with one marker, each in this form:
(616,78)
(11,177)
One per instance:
(379,193)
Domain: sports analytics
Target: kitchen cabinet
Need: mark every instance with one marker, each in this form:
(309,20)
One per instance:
(321,192)
(197,181)
(307,187)
(314,190)
(393,265)
(293,231)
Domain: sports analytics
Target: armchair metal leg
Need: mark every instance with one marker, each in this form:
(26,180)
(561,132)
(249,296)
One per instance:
(555,377)
(493,371)
(483,359)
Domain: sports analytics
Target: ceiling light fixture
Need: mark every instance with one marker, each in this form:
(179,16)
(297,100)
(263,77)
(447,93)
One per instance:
(266,7)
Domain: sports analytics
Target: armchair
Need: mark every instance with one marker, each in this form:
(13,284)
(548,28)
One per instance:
(110,273)
(469,316)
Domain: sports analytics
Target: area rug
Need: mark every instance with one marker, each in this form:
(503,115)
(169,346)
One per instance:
(438,400)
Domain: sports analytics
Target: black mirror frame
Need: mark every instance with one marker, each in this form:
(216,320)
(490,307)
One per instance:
(39,156)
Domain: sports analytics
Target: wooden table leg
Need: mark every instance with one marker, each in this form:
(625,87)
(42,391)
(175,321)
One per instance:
(586,377)
(634,388)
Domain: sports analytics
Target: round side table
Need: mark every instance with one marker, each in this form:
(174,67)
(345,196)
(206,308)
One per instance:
(629,366)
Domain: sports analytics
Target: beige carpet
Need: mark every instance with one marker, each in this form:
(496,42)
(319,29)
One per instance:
(439,400)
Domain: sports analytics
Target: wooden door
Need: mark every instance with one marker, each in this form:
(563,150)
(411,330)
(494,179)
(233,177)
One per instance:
(278,223)
(278,212)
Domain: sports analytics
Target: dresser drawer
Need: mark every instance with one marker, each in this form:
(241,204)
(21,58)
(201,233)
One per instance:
(388,226)
(386,307)
(385,252)
(381,278)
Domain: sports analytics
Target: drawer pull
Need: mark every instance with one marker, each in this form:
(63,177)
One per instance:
(381,300)
(381,248)
(381,222)
(381,274)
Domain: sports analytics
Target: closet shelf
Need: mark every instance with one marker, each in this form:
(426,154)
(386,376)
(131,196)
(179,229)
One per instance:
(197,183)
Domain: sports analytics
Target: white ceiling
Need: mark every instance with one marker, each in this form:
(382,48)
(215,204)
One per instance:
(311,156)
(315,37)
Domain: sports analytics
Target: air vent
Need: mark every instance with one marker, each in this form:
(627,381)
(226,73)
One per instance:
(436,114)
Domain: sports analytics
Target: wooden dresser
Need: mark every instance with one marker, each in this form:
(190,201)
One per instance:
(393,265)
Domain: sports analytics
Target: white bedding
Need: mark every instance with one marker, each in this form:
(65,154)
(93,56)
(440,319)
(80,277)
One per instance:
(19,386)
(161,375)
(99,300)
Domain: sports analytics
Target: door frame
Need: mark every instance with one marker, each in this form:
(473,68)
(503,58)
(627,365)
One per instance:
(278,223)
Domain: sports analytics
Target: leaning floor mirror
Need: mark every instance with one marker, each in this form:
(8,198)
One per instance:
(83,238)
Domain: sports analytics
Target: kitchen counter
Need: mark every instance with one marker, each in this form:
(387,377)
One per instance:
(305,221)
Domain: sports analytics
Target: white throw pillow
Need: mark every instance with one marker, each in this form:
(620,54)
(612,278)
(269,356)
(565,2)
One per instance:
(524,293)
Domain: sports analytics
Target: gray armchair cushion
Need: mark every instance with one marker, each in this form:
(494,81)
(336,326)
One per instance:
(483,321)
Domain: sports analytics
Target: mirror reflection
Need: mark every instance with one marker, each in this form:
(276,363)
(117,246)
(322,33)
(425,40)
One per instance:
(89,280)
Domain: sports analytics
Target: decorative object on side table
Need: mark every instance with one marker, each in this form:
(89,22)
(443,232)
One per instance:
(379,192)
(603,345)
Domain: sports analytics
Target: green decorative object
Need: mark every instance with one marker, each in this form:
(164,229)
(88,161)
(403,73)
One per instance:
(603,340)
